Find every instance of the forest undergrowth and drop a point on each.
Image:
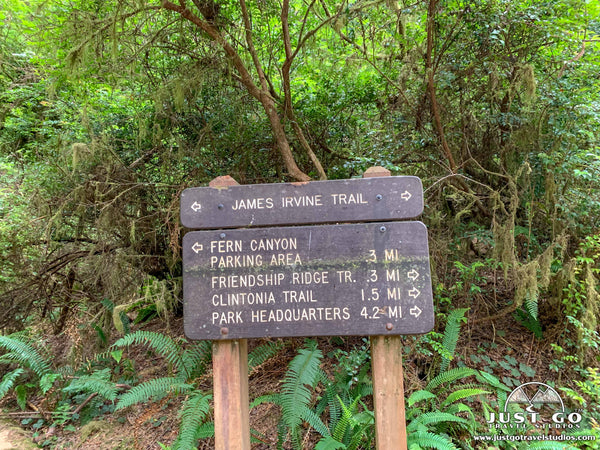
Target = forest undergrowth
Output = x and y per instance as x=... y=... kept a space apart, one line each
x=110 y=109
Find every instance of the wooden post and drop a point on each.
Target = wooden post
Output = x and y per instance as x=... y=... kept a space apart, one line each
x=230 y=382
x=388 y=378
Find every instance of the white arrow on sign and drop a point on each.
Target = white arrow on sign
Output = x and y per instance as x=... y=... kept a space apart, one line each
x=413 y=275
x=415 y=311
x=414 y=292
x=406 y=196
x=197 y=247
x=196 y=206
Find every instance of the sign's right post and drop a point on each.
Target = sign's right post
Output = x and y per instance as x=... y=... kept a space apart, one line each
x=388 y=379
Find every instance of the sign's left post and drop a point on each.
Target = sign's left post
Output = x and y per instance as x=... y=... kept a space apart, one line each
x=230 y=381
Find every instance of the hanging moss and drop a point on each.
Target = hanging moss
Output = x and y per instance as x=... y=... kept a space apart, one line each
x=590 y=316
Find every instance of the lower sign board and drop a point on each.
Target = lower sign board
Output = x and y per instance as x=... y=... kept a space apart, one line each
x=353 y=279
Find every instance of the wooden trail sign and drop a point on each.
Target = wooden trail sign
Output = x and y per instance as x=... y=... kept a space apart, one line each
x=354 y=200
x=355 y=279
x=350 y=275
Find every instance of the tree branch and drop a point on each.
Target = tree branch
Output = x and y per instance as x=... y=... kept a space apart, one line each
x=260 y=93
x=287 y=90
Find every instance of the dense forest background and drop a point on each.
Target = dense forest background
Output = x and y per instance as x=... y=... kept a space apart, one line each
x=109 y=109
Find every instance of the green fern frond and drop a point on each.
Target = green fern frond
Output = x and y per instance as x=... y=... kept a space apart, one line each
x=359 y=435
x=433 y=418
x=329 y=443
x=461 y=394
x=194 y=411
x=263 y=353
x=269 y=398
x=345 y=421
x=491 y=380
x=153 y=389
x=301 y=376
x=8 y=381
x=206 y=430
x=196 y=358
x=98 y=382
x=309 y=416
x=329 y=402
x=425 y=439
x=24 y=353
x=456 y=408
x=160 y=343
x=296 y=392
x=531 y=306
x=449 y=376
x=451 y=334
x=418 y=396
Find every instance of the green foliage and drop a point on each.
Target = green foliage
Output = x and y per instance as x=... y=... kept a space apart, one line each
x=302 y=376
x=350 y=425
x=8 y=381
x=98 y=383
x=22 y=351
x=262 y=353
x=451 y=335
x=588 y=394
x=193 y=414
x=444 y=409
x=109 y=109
x=153 y=390
x=166 y=347
x=425 y=439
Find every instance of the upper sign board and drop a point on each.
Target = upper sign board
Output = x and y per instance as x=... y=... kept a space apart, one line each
x=324 y=280
x=354 y=200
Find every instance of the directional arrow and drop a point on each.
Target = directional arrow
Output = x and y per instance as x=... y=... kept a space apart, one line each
x=406 y=196
x=414 y=292
x=415 y=311
x=196 y=206
x=197 y=247
x=413 y=275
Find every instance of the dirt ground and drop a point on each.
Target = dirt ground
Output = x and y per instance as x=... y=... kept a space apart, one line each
x=14 y=438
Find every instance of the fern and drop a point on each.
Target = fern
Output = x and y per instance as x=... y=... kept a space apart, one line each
x=196 y=358
x=463 y=393
x=342 y=426
x=425 y=439
x=193 y=413
x=157 y=388
x=161 y=344
x=434 y=418
x=313 y=420
x=450 y=376
x=205 y=430
x=330 y=400
x=8 y=381
x=99 y=383
x=263 y=353
x=451 y=334
x=302 y=374
x=366 y=421
x=418 y=396
x=352 y=426
x=24 y=353
x=269 y=398
x=329 y=443
x=531 y=305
